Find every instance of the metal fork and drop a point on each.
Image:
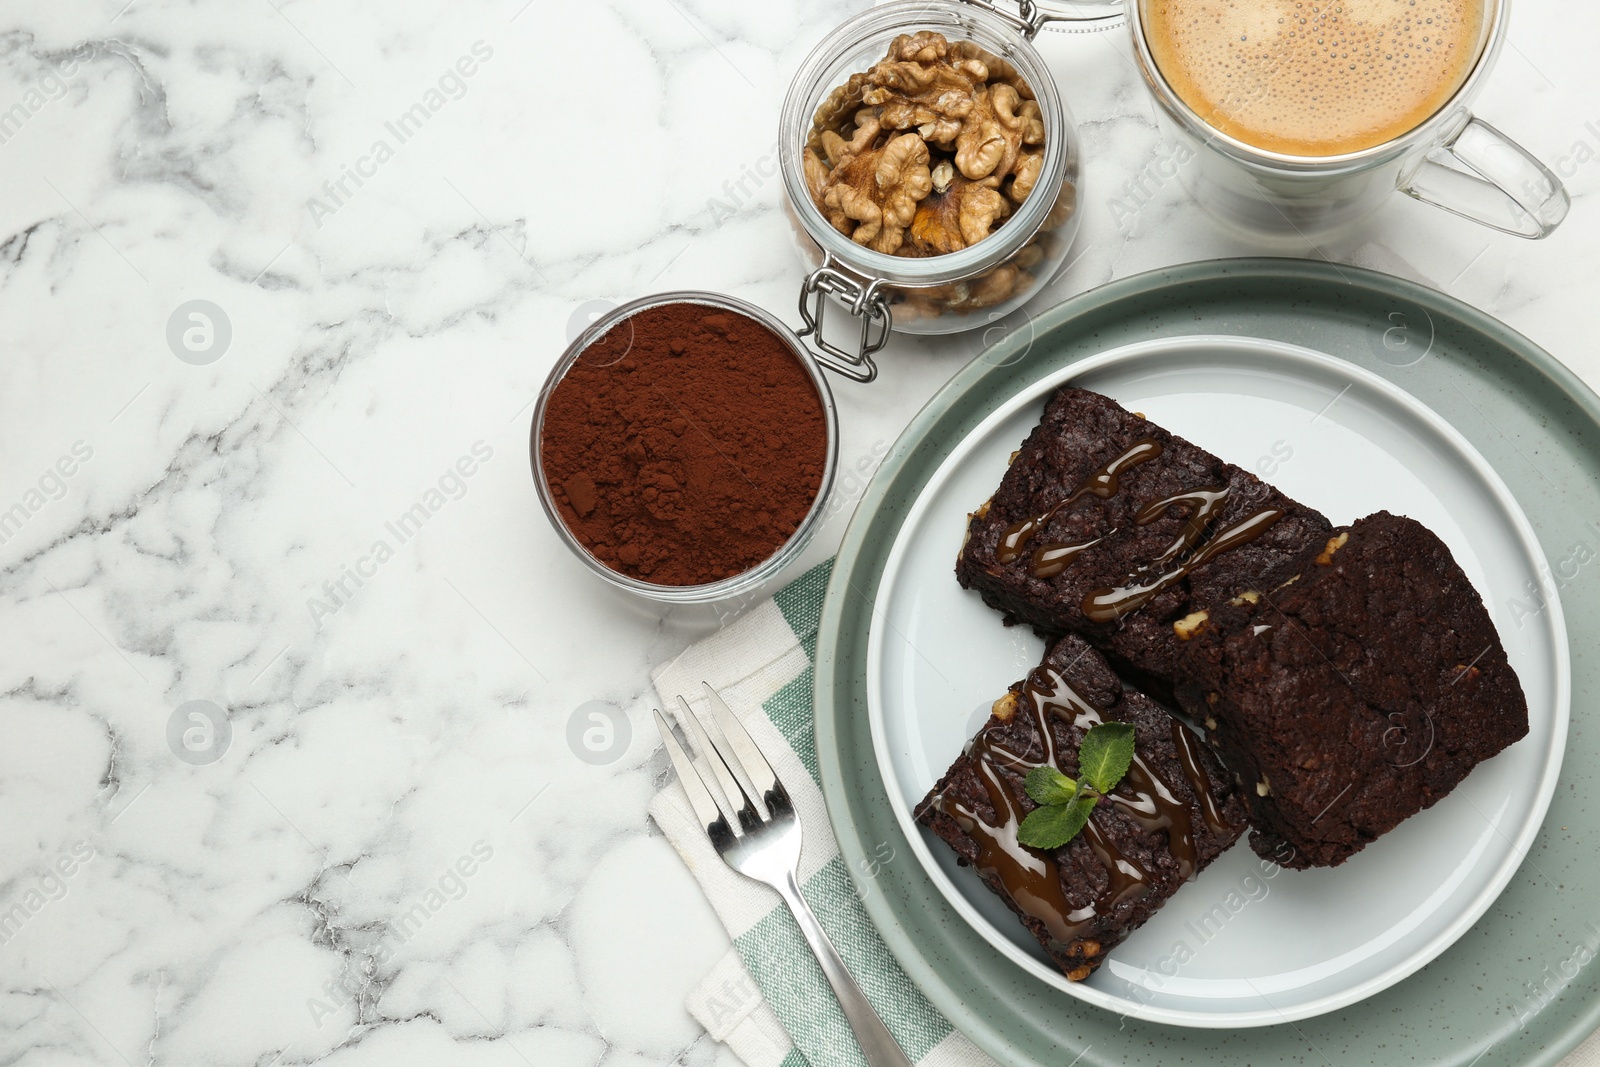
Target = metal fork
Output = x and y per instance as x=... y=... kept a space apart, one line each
x=753 y=827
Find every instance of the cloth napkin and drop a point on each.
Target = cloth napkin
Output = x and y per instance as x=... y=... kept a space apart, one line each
x=767 y=999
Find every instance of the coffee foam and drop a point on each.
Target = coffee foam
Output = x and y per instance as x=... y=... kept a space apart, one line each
x=1314 y=77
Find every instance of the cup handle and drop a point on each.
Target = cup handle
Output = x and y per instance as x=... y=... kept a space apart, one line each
x=1495 y=181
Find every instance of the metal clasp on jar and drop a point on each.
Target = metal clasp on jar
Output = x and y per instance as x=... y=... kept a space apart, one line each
x=1075 y=17
x=869 y=303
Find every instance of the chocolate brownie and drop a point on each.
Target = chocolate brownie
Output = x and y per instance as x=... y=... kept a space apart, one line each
x=1354 y=695
x=1173 y=813
x=1107 y=526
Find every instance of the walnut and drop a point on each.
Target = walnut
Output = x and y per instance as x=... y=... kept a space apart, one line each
x=835 y=111
x=1025 y=175
x=1066 y=203
x=994 y=131
x=973 y=294
x=924 y=46
x=872 y=195
x=1032 y=255
x=1325 y=557
x=1018 y=114
x=999 y=70
x=980 y=146
x=984 y=141
x=961 y=213
x=938 y=121
x=1005 y=707
x=1190 y=625
x=919 y=304
x=992 y=288
x=816 y=172
x=837 y=149
x=1249 y=596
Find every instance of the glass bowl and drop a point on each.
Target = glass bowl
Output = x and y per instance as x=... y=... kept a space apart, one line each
x=745 y=581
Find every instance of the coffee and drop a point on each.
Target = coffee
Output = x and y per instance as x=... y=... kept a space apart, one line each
x=1315 y=77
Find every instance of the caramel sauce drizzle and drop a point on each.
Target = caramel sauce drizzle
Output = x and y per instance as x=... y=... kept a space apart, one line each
x=1205 y=504
x=1104 y=484
x=1108 y=605
x=1051 y=559
x=1199 y=780
x=1032 y=878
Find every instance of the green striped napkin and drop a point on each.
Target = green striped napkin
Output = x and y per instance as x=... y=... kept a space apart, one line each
x=767 y=999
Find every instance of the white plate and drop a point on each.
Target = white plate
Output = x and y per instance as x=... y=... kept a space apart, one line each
x=1249 y=944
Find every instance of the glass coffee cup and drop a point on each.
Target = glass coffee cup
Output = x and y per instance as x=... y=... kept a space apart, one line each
x=1449 y=158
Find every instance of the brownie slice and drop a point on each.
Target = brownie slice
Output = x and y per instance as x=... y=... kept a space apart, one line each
x=1356 y=694
x=1174 y=812
x=1107 y=526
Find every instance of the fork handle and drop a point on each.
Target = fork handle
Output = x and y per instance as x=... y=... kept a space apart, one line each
x=877 y=1045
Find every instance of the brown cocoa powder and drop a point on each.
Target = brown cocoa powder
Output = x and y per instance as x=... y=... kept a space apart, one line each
x=685 y=446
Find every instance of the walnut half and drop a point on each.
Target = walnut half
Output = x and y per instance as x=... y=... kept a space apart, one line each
x=872 y=195
x=960 y=214
x=1006 y=707
x=1334 y=544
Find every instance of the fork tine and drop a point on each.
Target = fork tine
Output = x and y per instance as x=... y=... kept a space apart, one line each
x=748 y=753
x=732 y=756
x=700 y=798
x=719 y=768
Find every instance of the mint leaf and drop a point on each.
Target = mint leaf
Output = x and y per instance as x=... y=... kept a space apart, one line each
x=1104 y=755
x=1046 y=785
x=1055 y=824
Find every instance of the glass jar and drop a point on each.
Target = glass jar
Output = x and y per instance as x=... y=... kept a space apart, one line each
x=746 y=582
x=959 y=290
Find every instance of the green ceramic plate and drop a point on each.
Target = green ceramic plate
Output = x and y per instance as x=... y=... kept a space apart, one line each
x=1517 y=988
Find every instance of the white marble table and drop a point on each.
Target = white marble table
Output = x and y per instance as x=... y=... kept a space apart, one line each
x=391 y=853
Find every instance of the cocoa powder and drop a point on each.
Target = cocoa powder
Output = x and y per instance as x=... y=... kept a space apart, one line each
x=685 y=446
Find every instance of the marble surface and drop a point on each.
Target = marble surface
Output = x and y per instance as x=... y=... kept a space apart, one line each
x=285 y=781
